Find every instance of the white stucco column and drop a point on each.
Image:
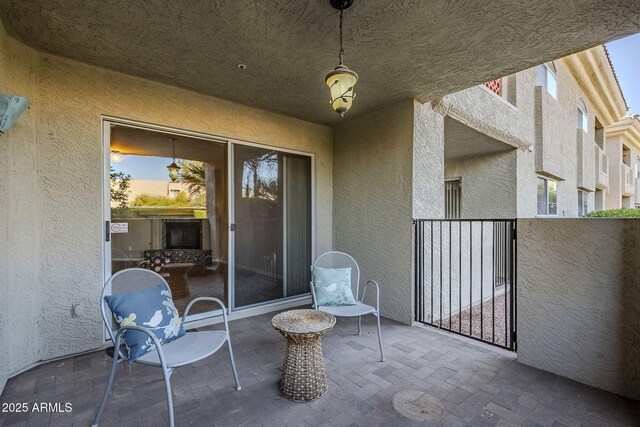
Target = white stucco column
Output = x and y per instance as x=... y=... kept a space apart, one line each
x=428 y=162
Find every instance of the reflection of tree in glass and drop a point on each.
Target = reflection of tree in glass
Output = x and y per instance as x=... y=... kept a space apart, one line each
x=192 y=173
x=120 y=183
x=260 y=177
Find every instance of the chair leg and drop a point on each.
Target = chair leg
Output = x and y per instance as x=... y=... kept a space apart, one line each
x=107 y=390
x=167 y=386
x=233 y=364
x=379 y=337
x=359 y=325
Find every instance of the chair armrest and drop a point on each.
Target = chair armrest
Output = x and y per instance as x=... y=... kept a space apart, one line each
x=364 y=292
x=146 y=331
x=210 y=299
x=313 y=295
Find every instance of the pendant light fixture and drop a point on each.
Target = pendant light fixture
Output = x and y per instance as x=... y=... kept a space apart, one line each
x=341 y=80
x=173 y=167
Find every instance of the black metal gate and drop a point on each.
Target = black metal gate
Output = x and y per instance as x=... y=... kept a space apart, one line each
x=465 y=278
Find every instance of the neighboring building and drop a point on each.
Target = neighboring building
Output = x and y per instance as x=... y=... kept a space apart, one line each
x=532 y=143
x=155 y=188
x=623 y=153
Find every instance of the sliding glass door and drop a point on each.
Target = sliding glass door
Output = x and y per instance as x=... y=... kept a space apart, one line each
x=272 y=223
x=234 y=222
x=176 y=226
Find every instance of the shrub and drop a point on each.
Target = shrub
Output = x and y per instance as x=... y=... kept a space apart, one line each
x=615 y=213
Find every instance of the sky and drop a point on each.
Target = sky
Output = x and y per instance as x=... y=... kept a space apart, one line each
x=625 y=56
x=143 y=167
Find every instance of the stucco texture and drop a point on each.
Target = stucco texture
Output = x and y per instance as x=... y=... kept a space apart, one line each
x=52 y=215
x=428 y=162
x=20 y=291
x=492 y=115
x=543 y=129
x=372 y=182
x=561 y=151
x=488 y=185
x=403 y=49
x=579 y=300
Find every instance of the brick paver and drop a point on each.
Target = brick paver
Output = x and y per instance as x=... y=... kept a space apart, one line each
x=476 y=384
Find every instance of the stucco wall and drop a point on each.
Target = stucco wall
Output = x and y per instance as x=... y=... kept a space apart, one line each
x=372 y=181
x=488 y=184
x=617 y=179
x=579 y=300
x=428 y=162
x=491 y=114
x=560 y=151
x=20 y=296
x=53 y=228
x=545 y=124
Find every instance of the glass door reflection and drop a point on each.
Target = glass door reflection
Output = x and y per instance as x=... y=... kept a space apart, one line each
x=175 y=228
x=272 y=213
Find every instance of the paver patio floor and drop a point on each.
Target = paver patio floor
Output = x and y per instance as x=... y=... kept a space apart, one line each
x=475 y=384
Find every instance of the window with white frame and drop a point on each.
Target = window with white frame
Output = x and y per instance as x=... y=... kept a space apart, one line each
x=583 y=118
x=546 y=77
x=583 y=206
x=547 y=197
x=173 y=194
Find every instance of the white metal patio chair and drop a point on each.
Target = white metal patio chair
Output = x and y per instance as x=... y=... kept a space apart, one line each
x=190 y=348
x=336 y=259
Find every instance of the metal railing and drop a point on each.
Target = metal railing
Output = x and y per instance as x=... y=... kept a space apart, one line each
x=465 y=278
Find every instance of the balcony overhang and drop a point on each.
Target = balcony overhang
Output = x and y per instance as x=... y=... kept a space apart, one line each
x=462 y=141
x=628 y=126
x=404 y=49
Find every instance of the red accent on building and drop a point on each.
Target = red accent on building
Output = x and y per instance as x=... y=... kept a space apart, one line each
x=495 y=86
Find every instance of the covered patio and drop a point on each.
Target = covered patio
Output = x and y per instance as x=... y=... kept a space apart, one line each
x=248 y=77
x=462 y=382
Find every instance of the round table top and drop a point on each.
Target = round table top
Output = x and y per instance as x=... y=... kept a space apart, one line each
x=305 y=321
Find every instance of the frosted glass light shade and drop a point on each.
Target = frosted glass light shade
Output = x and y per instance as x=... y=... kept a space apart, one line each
x=341 y=82
x=173 y=171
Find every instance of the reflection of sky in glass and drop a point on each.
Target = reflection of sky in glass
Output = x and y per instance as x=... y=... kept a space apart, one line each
x=266 y=167
x=144 y=167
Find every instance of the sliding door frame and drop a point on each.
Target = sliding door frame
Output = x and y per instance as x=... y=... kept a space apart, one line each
x=203 y=319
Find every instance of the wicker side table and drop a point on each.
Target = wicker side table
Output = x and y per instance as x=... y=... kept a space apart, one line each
x=303 y=376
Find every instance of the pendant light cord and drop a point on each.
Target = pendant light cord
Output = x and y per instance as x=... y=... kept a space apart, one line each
x=341 y=49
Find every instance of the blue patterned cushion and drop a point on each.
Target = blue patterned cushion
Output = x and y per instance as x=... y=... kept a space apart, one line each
x=151 y=308
x=332 y=286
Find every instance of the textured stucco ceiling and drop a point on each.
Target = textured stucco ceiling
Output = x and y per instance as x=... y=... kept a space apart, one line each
x=401 y=49
x=129 y=140
x=461 y=141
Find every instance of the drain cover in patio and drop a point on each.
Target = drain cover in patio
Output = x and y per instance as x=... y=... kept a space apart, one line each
x=419 y=406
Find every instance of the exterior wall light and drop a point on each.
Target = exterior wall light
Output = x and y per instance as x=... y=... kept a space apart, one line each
x=173 y=167
x=11 y=106
x=341 y=81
